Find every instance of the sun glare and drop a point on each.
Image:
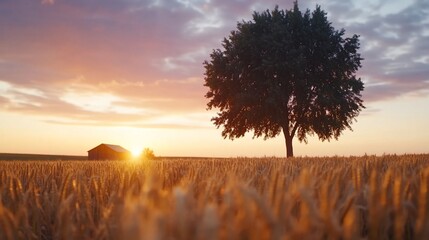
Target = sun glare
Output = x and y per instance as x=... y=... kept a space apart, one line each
x=136 y=152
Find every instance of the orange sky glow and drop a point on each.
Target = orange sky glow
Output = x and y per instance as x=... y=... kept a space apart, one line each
x=74 y=74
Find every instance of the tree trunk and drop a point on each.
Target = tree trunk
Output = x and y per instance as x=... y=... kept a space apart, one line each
x=288 y=142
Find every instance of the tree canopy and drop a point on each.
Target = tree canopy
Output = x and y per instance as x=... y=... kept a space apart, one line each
x=285 y=71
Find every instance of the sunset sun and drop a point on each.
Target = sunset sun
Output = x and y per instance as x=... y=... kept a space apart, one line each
x=136 y=152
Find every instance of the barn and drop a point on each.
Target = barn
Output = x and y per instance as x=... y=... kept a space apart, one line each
x=108 y=152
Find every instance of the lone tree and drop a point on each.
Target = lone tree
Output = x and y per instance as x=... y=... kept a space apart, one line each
x=285 y=70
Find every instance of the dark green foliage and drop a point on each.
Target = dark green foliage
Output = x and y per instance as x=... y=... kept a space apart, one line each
x=285 y=70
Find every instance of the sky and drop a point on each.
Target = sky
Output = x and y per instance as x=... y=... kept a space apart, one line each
x=77 y=73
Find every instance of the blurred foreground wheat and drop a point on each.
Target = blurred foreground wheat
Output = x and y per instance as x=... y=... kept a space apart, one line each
x=302 y=198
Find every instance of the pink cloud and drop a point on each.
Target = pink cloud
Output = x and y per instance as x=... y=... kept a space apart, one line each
x=48 y=1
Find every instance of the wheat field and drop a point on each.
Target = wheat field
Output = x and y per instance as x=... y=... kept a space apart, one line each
x=384 y=197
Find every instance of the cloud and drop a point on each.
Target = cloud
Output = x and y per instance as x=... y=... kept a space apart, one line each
x=143 y=59
x=48 y=1
x=394 y=43
x=79 y=104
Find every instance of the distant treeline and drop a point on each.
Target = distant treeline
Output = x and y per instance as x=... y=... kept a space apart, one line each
x=38 y=157
x=47 y=157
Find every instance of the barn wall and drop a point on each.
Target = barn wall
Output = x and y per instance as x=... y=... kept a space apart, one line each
x=105 y=153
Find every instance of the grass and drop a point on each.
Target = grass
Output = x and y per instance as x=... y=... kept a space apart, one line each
x=301 y=198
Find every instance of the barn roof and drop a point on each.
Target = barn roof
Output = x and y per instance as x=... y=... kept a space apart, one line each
x=115 y=148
